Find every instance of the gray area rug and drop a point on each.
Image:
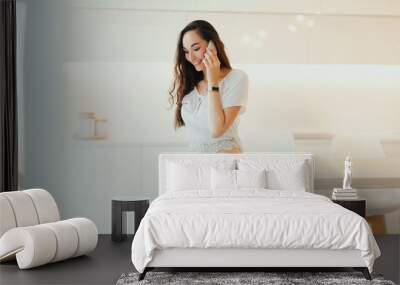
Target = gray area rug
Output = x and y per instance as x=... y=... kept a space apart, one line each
x=225 y=278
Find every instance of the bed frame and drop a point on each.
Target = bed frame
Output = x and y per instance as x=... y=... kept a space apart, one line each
x=248 y=259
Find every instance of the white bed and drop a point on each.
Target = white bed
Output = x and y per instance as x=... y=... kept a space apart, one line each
x=249 y=227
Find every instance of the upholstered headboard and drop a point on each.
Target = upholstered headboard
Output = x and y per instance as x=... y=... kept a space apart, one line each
x=165 y=158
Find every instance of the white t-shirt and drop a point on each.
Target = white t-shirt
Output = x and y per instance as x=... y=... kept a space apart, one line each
x=233 y=90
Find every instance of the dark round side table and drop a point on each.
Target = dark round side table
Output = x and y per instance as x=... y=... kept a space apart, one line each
x=122 y=204
x=358 y=206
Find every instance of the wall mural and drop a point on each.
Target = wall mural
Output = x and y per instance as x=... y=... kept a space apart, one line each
x=325 y=83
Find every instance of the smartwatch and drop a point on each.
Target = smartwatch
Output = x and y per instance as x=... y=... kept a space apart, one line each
x=213 y=88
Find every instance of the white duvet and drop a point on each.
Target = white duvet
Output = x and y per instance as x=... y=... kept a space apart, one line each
x=251 y=218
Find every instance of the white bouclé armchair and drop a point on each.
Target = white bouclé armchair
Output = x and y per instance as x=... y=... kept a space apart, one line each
x=32 y=233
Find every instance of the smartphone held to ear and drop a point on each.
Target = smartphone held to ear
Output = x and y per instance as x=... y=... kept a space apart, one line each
x=211 y=45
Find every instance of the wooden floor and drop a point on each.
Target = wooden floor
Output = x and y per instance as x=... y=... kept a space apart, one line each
x=111 y=259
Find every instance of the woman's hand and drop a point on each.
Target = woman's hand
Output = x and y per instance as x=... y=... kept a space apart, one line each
x=212 y=64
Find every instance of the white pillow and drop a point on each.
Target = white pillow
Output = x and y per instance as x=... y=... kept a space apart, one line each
x=282 y=174
x=184 y=174
x=237 y=179
x=223 y=179
x=294 y=179
x=183 y=177
x=251 y=178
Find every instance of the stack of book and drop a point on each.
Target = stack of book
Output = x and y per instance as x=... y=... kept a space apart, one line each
x=344 y=194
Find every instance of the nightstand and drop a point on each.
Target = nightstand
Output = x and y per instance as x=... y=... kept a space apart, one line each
x=358 y=206
x=122 y=204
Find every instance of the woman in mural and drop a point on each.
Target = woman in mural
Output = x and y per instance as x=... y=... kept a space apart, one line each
x=210 y=95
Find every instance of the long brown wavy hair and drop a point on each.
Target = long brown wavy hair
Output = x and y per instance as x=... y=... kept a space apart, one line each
x=186 y=76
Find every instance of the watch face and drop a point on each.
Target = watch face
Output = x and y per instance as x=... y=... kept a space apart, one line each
x=213 y=88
